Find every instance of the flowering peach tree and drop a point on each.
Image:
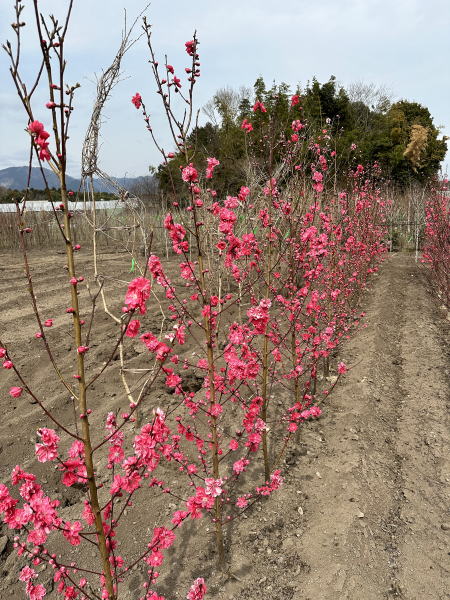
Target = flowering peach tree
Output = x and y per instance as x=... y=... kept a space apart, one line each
x=259 y=290
x=436 y=250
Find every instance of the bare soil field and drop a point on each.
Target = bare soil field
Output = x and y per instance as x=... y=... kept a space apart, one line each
x=363 y=513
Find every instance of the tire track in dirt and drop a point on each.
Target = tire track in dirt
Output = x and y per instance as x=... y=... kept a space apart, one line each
x=375 y=527
x=424 y=564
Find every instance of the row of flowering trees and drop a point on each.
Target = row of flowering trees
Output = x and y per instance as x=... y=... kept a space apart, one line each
x=260 y=289
x=436 y=251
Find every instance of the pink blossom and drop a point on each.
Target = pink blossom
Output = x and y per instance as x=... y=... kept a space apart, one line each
x=259 y=315
x=276 y=480
x=244 y=367
x=155 y=559
x=36 y=592
x=227 y=220
x=76 y=449
x=15 y=392
x=276 y=354
x=36 y=127
x=295 y=99
x=233 y=445
x=48 y=323
x=242 y=502
x=342 y=368
x=187 y=271
x=212 y=164
x=237 y=333
x=7 y=364
x=180 y=333
x=254 y=440
x=150 y=595
x=246 y=126
x=173 y=380
x=88 y=514
x=70 y=593
x=198 y=590
x=137 y=294
x=2 y=352
x=190 y=47
x=115 y=454
x=200 y=501
x=259 y=106
x=154 y=345
x=231 y=202
x=314 y=412
x=137 y=100
x=162 y=538
x=41 y=139
x=18 y=475
x=133 y=328
x=82 y=349
x=27 y=574
x=48 y=448
x=240 y=465
x=179 y=516
x=71 y=532
x=44 y=154
x=317 y=177
x=297 y=125
x=243 y=193
x=216 y=410
x=189 y=173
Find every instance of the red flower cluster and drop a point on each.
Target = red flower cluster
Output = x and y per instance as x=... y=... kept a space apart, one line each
x=40 y=139
x=246 y=126
x=177 y=232
x=137 y=100
x=137 y=294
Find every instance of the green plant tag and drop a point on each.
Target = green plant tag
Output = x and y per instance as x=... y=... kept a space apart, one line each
x=133 y=264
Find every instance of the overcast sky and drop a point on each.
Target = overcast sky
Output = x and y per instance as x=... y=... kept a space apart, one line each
x=403 y=45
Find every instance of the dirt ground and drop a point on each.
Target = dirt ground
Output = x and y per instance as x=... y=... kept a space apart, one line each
x=363 y=513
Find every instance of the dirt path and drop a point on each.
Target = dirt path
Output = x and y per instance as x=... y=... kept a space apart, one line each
x=363 y=513
x=375 y=526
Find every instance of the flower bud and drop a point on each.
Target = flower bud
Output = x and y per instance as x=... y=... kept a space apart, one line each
x=15 y=392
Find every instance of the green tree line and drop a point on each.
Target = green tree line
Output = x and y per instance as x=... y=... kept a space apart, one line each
x=401 y=136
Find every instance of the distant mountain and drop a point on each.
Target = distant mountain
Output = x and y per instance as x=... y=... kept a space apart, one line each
x=15 y=178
